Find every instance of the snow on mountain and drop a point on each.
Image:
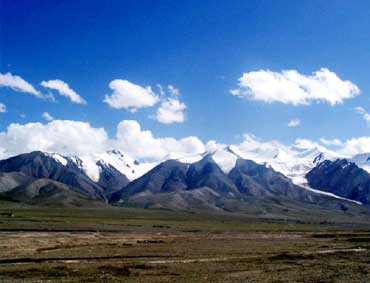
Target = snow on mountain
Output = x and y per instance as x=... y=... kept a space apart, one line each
x=362 y=160
x=292 y=161
x=295 y=162
x=225 y=159
x=331 y=195
x=61 y=159
x=189 y=158
x=93 y=164
x=128 y=166
x=88 y=165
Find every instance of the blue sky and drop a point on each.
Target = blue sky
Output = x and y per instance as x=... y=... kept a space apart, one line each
x=200 y=47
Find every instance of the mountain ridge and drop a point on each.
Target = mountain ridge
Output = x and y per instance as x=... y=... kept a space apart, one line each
x=210 y=179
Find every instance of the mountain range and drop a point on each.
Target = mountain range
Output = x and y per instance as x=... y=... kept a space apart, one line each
x=225 y=179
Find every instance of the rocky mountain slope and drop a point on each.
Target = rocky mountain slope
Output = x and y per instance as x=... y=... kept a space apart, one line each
x=209 y=180
x=342 y=178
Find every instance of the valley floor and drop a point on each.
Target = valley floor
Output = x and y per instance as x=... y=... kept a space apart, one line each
x=129 y=245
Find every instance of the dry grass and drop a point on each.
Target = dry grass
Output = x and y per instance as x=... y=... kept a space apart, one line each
x=177 y=248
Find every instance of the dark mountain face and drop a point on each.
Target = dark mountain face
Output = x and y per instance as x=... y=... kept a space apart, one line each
x=176 y=185
x=166 y=177
x=206 y=183
x=175 y=177
x=206 y=173
x=342 y=178
x=110 y=179
x=39 y=165
x=49 y=192
x=260 y=181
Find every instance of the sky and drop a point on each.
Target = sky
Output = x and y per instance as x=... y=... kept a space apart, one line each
x=208 y=70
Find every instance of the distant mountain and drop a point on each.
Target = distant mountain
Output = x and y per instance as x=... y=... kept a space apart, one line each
x=111 y=179
x=207 y=173
x=165 y=177
x=262 y=181
x=38 y=164
x=76 y=171
x=361 y=160
x=123 y=163
x=217 y=179
x=294 y=162
x=342 y=178
x=173 y=184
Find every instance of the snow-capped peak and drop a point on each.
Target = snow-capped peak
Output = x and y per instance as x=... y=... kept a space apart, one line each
x=93 y=164
x=225 y=159
x=57 y=157
x=223 y=156
x=128 y=166
x=362 y=160
x=292 y=161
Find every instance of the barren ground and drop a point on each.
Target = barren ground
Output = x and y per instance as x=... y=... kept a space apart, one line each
x=120 y=245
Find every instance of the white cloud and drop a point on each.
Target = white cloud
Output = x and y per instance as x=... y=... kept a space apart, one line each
x=365 y=115
x=62 y=136
x=2 y=108
x=305 y=143
x=17 y=83
x=127 y=95
x=171 y=111
x=63 y=89
x=256 y=149
x=80 y=138
x=47 y=116
x=142 y=144
x=294 y=123
x=173 y=90
x=336 y=142
x=350 y=146
x=291 y=87
x=356 y=146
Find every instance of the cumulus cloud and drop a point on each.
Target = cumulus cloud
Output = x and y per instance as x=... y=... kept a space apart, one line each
x=256 y=149
x=356 y=145
x=127 y=95
x=305 y=143
x=336 y=142
x=171 y=111
x=345 y=148
x=291 y=87
x=130 y=96
x=365 y=115
x=142 y=144
x=47 y=116
x=294 y=123
x=62 y=136
x=64 y=89
x=18 y=84
x=80 y=138
x=2 y=108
